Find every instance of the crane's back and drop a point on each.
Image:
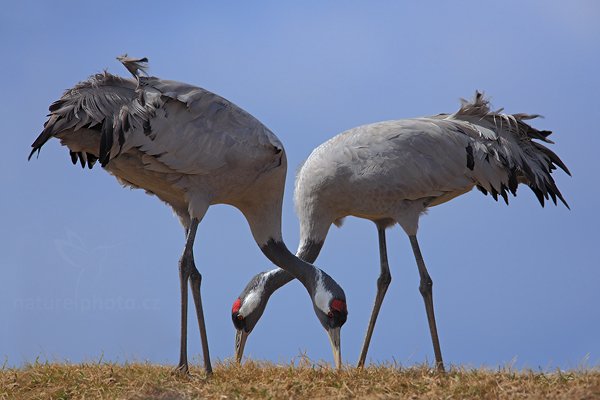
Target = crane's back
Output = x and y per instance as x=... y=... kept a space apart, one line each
x=370 y=170
x=388 y=169
x=178 y=141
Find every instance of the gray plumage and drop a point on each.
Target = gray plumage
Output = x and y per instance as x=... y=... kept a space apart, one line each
x=192 y=149
x=396 y=169
x=391 y=172
x=135 y=66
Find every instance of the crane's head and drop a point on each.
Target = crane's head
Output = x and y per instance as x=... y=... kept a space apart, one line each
x=248 y=308
x=329 y=303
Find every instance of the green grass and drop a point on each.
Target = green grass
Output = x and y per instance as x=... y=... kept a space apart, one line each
x=305 y=380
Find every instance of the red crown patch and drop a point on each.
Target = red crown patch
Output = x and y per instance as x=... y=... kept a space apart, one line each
x=236 y=306
x=338 y=305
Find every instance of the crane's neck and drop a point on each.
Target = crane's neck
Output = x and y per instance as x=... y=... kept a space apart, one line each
x=264 y=218
x=309 y=249
x=314 y=225
x=294 y=267
x=312 y=236
x=276 y=278
x=265 y=224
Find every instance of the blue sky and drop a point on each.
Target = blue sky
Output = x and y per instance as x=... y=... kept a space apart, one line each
x=89 y=268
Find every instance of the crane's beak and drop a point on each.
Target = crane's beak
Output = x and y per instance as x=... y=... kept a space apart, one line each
x=334 y=339
x=240 y=341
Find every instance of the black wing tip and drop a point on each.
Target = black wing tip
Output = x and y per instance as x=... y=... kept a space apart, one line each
x=91 y=160
x=562 y=199
x=554 y=194
x=565 y=169
x=482 y=190
x=557 y=195
x=33 y=152
x=504 y=193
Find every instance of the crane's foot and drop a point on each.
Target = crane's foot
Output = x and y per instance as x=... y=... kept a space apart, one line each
x=181 y=370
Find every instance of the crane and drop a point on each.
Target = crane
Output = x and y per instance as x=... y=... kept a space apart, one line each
x=391 y=172
x=190 y=148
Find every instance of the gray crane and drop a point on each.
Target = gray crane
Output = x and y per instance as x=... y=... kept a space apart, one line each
x=191 y=148
x=392 y=172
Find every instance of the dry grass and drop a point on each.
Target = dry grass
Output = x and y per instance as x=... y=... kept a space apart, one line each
x=305 y=380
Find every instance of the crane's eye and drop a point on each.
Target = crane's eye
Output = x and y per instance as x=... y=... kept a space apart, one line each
x=330 y=314
x=240 y=317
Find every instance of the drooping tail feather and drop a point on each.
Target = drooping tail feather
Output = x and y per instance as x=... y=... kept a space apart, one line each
x=134 y=65
x=510 y=141
x=105 y=105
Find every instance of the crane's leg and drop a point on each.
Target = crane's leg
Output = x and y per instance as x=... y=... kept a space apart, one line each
x=188 y=272
x=185 y=262
x=195 y=281
x=425 y=287
x=382 y=285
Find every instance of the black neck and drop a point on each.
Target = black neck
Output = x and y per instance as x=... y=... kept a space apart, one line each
x=309 y=251
x=292 y=266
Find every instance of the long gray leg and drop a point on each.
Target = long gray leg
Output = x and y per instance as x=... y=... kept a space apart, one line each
x=382 y=285
x=195 y=281
x=187 y=270
x=425 y=287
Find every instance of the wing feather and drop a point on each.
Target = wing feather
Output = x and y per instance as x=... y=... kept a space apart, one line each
x=515 y=156
x=188 y=129
x=434 y=158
